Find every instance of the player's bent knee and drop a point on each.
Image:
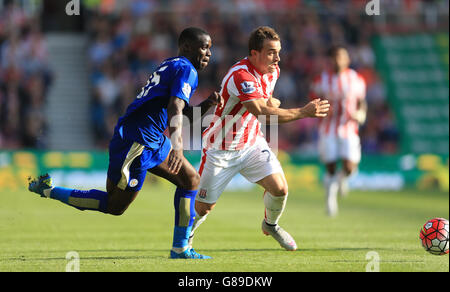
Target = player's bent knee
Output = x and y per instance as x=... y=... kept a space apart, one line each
x=191 y=182
x=280 y=191
x=116 y=209
x=119 y=201
x=349 y=167
x=116 y=212
x=203 y=209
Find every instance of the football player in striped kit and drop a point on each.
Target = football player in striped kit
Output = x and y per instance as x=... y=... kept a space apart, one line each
x=338 y=132
x=233 y=143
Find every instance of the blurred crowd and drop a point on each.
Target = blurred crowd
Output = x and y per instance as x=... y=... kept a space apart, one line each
x=24 y=79
x=129 y=38
x=128 y=45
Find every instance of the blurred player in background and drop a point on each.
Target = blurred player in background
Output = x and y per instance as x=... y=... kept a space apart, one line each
x=139 y=145
x=234 y=143
x=338 y=132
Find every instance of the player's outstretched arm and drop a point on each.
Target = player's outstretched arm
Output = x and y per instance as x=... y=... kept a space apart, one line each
x=316 y=108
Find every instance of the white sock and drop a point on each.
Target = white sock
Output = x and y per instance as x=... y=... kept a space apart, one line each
x=197 y=221
x=332 y=187
x=274 y=207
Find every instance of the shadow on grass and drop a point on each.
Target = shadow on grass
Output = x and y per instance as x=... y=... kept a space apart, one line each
x=344 y=249
x=155 y=253
x=298 y=250
x=83 y=255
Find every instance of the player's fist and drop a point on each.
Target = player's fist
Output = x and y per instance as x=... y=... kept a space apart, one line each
x=216 y=99
x=274 y=102
x=317 y=108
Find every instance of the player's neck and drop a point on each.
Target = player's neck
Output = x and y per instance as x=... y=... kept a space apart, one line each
x=186 y=56
x=253 y=63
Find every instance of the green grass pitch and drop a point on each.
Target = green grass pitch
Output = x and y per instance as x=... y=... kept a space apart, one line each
x=36 y=233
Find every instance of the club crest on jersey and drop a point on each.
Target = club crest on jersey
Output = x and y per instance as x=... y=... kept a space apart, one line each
x=202 y=193
x=134 y=182
x=248 y=87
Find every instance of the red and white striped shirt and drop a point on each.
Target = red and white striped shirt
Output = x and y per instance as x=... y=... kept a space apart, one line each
x=233 y=127
x=343 y=92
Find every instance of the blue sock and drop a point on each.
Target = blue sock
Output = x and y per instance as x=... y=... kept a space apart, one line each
x=184 y=203
x=82 y=200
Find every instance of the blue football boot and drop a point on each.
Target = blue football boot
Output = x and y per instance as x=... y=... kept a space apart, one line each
x=188 y=254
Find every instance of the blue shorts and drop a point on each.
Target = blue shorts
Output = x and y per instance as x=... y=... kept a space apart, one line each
x=129 y=161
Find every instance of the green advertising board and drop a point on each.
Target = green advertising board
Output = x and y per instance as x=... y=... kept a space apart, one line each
x=415 y=71
x=87 y=170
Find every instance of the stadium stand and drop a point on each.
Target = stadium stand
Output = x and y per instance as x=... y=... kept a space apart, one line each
x=25 y=78
x=129 y=38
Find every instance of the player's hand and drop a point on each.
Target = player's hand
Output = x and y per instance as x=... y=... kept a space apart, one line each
x=317 y=108
x=359 y=116
x=175 y=160
x=216 y=99
x=274 y=102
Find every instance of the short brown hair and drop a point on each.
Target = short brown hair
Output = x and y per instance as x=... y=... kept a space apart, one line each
x=259 y=35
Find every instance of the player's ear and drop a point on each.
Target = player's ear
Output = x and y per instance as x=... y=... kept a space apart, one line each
x=186 y=47
x=253 y=53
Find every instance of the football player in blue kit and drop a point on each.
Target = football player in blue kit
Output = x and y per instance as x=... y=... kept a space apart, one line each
x=139 y=145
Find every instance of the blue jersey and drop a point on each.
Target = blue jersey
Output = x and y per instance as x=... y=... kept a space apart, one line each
x=146 y=117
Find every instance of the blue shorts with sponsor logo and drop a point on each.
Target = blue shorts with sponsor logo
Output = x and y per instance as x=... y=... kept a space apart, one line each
x=129 y=161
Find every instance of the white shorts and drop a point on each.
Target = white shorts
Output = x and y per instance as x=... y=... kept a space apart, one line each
x=220 y=166
x=332 y=148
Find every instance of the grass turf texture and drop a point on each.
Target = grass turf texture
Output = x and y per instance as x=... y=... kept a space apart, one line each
x=37 y=233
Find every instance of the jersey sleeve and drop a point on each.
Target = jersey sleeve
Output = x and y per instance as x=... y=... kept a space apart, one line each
x=184 y=83
x=245 y=86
